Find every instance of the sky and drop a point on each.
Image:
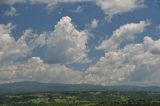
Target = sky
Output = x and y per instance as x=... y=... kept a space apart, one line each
x=100 y=42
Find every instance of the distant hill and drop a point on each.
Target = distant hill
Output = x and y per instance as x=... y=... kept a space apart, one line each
x=24 y=87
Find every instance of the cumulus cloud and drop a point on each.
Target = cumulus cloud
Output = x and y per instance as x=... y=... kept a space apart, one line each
x=146 y=59
x=12 y=12
x=133 y=64
x=136 y=63
x=65 y=44
x=123 y=63
x=125 y=34
x=94 y=24
x=10 y=49
x=36 y=70
x=112 y=7
x=109 y=70
x=61 y=46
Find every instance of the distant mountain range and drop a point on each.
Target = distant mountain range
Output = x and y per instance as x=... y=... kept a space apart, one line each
x=26 y=87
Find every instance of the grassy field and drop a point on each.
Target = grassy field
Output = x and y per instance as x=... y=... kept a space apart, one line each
x=92 y=98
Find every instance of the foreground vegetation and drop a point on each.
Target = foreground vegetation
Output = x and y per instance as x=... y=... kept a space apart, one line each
x=91 y=98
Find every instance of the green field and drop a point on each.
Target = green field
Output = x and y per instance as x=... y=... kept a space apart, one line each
x=88 y=98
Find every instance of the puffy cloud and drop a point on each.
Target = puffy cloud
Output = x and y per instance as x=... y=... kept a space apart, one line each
x=12 y=12
x=36 y=70
x=125 y=34
x=146 y=59
x=134 y=64
x=112 y=7
x=109 y=70
x=65 y=44
x=94 y=24
x=10 y=49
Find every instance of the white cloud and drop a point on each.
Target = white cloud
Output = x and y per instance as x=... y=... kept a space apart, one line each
x=12 y=12
x=10 y=49
x=125 y=34
x=36 y=70
x=65 y=44
x=79 y=9
x=94 y=24
x=109 y=70
x=135 y=64
x=112 y=7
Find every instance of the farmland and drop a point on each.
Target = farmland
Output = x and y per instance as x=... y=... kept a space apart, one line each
x=81 y=98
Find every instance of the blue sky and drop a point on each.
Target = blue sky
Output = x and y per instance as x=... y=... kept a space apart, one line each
x=104 y=42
